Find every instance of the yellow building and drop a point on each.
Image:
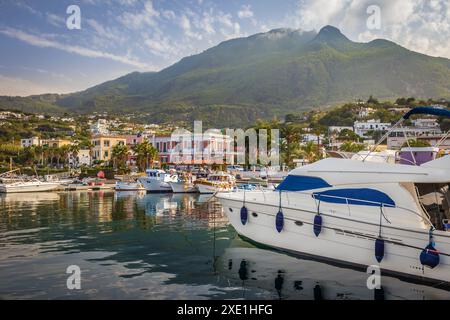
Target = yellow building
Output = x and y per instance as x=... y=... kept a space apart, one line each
x=55 y=143
x=102 y=146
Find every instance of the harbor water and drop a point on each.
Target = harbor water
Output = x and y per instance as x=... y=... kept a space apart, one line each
x=131 y=245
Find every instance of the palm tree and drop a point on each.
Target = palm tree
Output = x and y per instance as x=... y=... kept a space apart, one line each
x=65 y=153
x=350 y=146
x=291 y=135
x=146 y=155
x=119 y=155
x=39 y=150
x=74 y=150
x=309 y=152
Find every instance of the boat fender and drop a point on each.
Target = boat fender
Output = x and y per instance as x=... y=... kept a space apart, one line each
x=317 y=224
x=279 y=218
x=379 y=249
x=244 y=215
x=279 y=221
x=429 y=256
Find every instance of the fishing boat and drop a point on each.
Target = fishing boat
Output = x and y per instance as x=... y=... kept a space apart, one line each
x=158 y=180
x=184 y=185
x=216 y=182
x=129 y=186
x=354 y=212
x=28 y=186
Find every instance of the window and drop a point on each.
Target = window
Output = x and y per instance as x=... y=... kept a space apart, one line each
x=106 y=143
x=106 y=154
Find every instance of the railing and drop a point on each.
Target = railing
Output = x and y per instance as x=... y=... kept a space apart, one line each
x=347 y=200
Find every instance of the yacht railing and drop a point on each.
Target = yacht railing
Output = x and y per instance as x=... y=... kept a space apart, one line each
x=347 y=200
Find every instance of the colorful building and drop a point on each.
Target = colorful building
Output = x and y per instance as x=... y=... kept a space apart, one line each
x=103 y=145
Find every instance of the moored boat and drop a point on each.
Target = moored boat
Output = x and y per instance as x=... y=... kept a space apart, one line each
x=355 y=212
x=129 y=186
x=158 y=180
x=28 y=186
x=216 y=182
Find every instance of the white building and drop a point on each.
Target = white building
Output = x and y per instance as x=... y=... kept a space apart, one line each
x=83 y=158
x=361 y=128
x=397 y=137
x=309 y=137
x=425 y=123
x=28 y=142
x=100 y=127
x=338 y=129
x=365 y=112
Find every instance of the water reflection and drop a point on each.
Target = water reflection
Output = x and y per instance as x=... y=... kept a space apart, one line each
x=157 y=246
x=288 y=277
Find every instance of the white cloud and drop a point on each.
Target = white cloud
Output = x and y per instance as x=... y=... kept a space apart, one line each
x=419 y=25
x=46 y=43
x=55 y=20
x=185 y=24
x=245 y=12
x=137 y=20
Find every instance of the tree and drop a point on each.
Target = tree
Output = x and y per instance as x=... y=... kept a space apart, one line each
x=290 y=143
x=348 y=135
x=350 y=146
x=416 y=143
x=444 y=123
x=309 y=152
x=74 y=150
x=119 y=155
x=372 y=100
x=146 y=155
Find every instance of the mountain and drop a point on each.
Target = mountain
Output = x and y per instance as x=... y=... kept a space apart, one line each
x=274 y=73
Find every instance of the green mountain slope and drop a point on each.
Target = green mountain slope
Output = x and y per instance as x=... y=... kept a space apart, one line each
x=268 y=74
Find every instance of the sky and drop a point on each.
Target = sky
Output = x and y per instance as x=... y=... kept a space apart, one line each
x=39 y=53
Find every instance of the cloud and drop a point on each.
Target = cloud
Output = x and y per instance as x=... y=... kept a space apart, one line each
x=185 y=24
x=419 y=25
x=245 y=12
x=55 y=20
x=46 y=43
x=147 y=17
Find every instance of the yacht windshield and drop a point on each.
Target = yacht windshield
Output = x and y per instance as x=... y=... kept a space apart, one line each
x=435 y=199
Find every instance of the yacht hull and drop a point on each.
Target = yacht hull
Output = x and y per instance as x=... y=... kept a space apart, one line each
x=130 y=186
x=154 y=185
x=24 y=188
x=209 y=189
x=182 y=187
x=343 y=239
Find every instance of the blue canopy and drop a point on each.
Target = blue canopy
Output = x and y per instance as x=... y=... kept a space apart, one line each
x=428 y=110
x=362 y=197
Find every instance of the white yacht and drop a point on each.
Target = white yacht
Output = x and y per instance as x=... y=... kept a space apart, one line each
x=158 y=180
x=28 y=186
x=356 y=212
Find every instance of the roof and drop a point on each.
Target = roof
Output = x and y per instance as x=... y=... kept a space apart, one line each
x=337 y=171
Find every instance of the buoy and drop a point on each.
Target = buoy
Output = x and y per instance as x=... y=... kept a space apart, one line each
x=279 y=221
x=429 y=256
x=244 y=215
x=379 y=249
x=317 y=224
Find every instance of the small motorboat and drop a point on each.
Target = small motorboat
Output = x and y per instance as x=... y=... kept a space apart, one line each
x=216 y=182
x=129 y=186
x=28 y=186
x=184 y=185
